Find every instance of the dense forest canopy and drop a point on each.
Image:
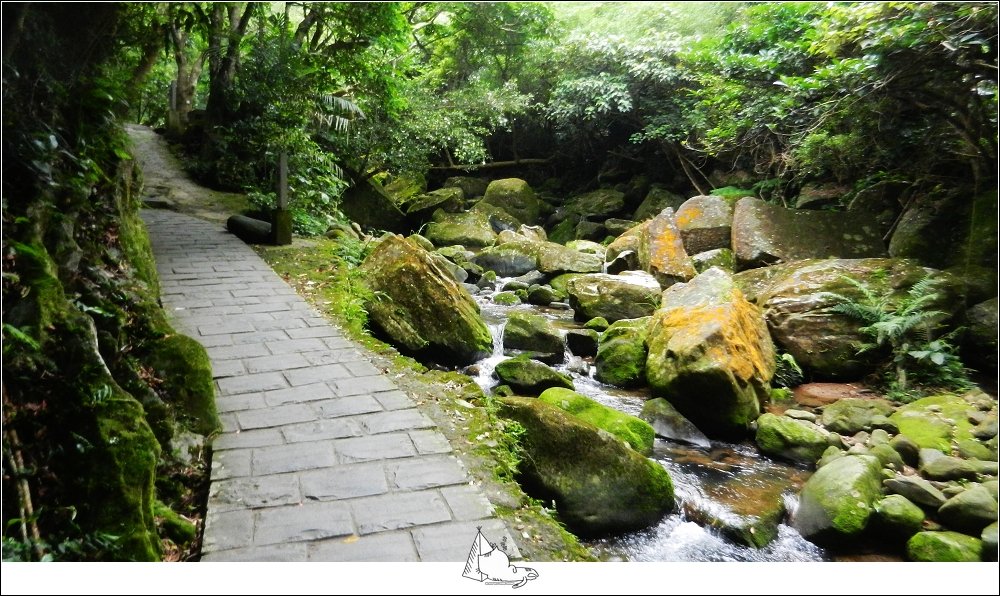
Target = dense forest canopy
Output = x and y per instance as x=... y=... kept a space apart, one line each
x=783 y=94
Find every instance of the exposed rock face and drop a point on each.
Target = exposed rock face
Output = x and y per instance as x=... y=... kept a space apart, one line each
x=710 y=354
x=705 y=223
x=621 y=354
x=661 y=251
x=836 y=502
x=421 y=308
x=797 y=302
x=516 y=197
x=765 y=234
x=600 y=485
x=630 y=295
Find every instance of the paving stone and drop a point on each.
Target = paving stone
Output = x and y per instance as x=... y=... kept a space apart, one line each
x=233 y=327
x=347 y=406
x=248 y=438
x=297 y=345
x=363 y=385
x=424 y=473
x=227 y=368
x=386 y=546
x=429 y=442
x=466 y=503
x=279 y=459
x=244 y=401
x=227 y=529
x=295 y=523
x=253 y=493
x=300 y=394
x=272 y=553
x=274 y=416
x=361 y=369
x=231 y=463
x=337 y=342
x=384 y=422
x=322 y=331
x=320 y=430
x=451 y=542
x=394 y=400
x=258 y=337
x=272 y=363
x=361 y=449
x=251 y=383
x=400 y=510
x=337 y=356
x=236 y=352
x=344 y=482
x=317 y=374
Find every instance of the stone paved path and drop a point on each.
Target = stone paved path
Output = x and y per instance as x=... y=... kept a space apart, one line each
x=322 y=458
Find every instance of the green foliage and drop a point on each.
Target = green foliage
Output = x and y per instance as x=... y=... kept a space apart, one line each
x=787 y=372
x=507 y=434
x=905 y=326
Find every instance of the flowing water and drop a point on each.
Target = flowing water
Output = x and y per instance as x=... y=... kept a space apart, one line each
x=724 y=481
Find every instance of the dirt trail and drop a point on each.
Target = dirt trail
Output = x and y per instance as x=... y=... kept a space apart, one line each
x=168 y=186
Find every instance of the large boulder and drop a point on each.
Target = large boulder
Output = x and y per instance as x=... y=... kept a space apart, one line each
x=934 y=547
x=449 y=200
x=705 y=223
x=970 y=511
x=470 y=229
x=597 y=205
x=661 y=251
x=794 y=440
x=655 y=202
x=403 y=188
x=979 y=346
x=629 y=295
x=798 y=304
x=516 y=197
x=636 y=433
x=853 y=415
x=530 y=377
x=710 y=354
x=509 y=259
x=627 y=244
x=471 y=187
x=670 y=424
x=420 y=306
x=532 y=333
x=621 y=354
x=368 y=204
x=915 y=489
x=836 y=501
x=765 y=234
x=599 y=484
x=898 y=516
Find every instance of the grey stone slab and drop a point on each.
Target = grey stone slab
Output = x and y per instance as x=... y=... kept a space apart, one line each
x=227 y=368
x=248 y=438
x=290 y=346
x=280 y=459
x=232 y=327
x=254 y=493
x=338 y=356
x=361 y=369
x=383 y=547
x=258 y=337
x=272 y=363
x=396 y=511
x=452 y=541
x=243 y=401
x=269 y=324
x=347 y=406
x=429 y=442
x=394 y=400
x=344 y=482
x=251 y=383
x=362 y=385
x=321 y=430
x=236 y=352
x=466 y=503
x=300 y=394
x=426 y=472
x=275 y=416
x=273 y=553
x=316 y=374
x=253 y=292
x=232 y=463
x=229 y=423
x=384 y=422
x=337 y=342
x=269 y=307
x=228 y=529
x=322 y=331
x=210 y=341
x=361 y=449
x=296 y=523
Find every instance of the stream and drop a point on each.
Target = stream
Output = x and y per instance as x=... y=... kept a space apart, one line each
x=721 y=481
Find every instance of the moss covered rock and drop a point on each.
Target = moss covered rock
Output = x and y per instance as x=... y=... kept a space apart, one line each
x=850 y=415
x=934 y=422
x=656 y=200
x=836 y=501
x=621 y=354
x=720 y=257
x=519 y=256
x=931 y=547
x=420 y=307
x=534 y=333
x=670 y=424
x=898 y=516
x=979 y=345
x=182 y=365
x=600 y=485
x=530 y=377
x=970 y=511
x=450 y=200
x=471 y=229
x=582 y=342
x=710 y=354
x=705 y=223
x=786 y=438
x=635 y=432
x=765 y=234
x=989 y=538
x=916 y=489
x=597 y=205
x=405 y=187
x=516 y=197
x=630 y=295
x=471 y=187
x=661 y=251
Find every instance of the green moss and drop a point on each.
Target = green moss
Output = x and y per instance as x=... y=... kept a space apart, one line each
x=132 y=235
x=637 y=433
x=621 y=354
x=597 y=324
x=836 y=502
x=506 y=299
x=786 y=438
x=934 y=422
x=944 y=547
x=732 y=193
x=182 y=365
x=559 y=283
x=899 y=516
x=564 y=231
x=178 y=529
x=530 y=377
